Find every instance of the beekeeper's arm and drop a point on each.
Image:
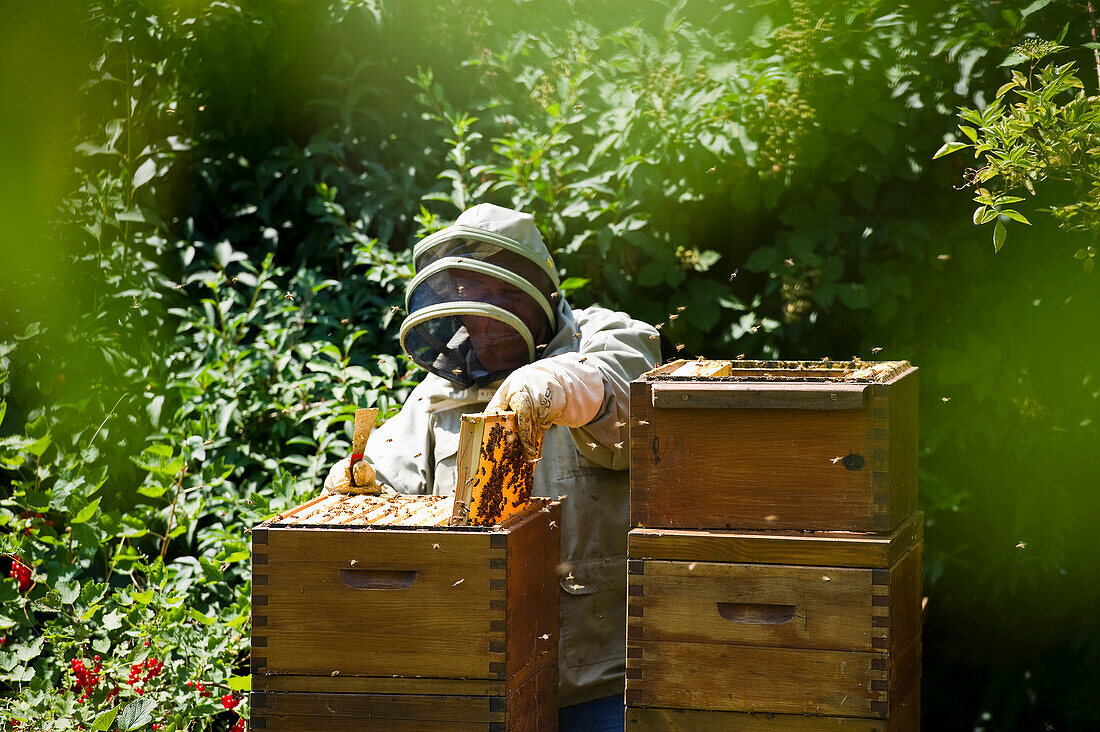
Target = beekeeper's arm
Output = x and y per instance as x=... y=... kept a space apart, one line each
x=400 y=451
x=588 y=390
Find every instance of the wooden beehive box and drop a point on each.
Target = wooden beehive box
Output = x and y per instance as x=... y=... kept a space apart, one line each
x=369 y=612
x=726 y=628
x=774 y=445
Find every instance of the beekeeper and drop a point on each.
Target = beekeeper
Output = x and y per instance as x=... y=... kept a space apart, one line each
x=487 y=320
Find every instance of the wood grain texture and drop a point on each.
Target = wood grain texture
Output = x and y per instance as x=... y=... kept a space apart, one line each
x=705 y=369
x=837 y=549
x=643 y=719
x=753 y=679
x=773 y=469
x=703 y=602
x=446 y=603
x=532 y=590
x=769 y=638
x=530 y=708
x=438 y=626
x=758 y=395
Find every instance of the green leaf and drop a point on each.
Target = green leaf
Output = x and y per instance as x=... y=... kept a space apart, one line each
x=1035 y=7
x=1015 y=215
x=239 y=683
x=145 y=172
x=136 y=714
x=1089 y=264
x=969 y=132
x=571 y=284
x=3 y=410
x=1001 y=92
x=203 y=617
x=104 y=721
x=998 y=236
x=90 y=509
x=39 y=446
x=948 y=148
x=68 y=591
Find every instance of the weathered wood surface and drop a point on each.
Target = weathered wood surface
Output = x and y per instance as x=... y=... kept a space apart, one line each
x=655 y=719
x=837 y=549
x=752 y=604
x=704 y=368
x=390 y=602
x=755 y=679
x=773 y=638
x=758 y=395
x=532 y=589
x=530 y=708
x=766 y=469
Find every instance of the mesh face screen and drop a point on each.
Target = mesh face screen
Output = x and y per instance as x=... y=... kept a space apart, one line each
x=461 y=285
x=486 y=252
x=467 y=349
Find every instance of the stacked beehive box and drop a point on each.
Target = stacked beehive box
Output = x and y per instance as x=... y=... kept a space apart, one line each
x=775 y=568
x=370 y=613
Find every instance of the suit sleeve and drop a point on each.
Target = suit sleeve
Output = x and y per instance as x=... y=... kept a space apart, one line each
x=622 y=349
x=400 y=451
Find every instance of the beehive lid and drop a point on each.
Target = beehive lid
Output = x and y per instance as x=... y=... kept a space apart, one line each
x=824 y=371
x=828 y=385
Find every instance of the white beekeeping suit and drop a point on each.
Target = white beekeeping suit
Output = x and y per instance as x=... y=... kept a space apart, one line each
x=485 y=306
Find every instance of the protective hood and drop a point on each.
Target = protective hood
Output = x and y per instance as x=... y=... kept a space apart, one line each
x=484 y=298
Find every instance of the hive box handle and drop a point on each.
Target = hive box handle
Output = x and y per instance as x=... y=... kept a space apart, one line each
x=378 y=579
x=756 y=614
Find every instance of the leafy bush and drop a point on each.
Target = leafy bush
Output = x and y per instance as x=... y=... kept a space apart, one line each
x=247 y=181
x=1050 y=137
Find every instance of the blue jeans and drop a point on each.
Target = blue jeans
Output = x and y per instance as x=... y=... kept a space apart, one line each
x=598 y=715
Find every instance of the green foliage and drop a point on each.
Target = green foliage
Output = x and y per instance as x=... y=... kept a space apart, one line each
x=247 y=181
x=1042 y=131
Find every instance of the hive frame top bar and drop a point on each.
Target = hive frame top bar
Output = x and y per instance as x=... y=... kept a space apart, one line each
x=281 y=521
x=823 y=371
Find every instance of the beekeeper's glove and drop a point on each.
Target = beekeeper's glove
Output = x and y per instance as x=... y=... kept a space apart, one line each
x=565 y=390
x=339 y=478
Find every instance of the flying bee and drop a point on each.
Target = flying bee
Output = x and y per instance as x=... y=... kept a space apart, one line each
x=733 y=275
x=680 y=308
x=673 y=316
x=876 y=349
x=679 y=346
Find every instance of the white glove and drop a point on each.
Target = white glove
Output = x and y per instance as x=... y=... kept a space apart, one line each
x=339 y=478
x=563 y=390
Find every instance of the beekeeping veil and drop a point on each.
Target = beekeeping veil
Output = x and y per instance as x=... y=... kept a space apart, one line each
x=482 y=302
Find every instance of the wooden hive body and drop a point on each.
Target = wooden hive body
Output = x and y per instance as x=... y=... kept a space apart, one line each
x=774 y=446
x=755 y=630
x=404 y=627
